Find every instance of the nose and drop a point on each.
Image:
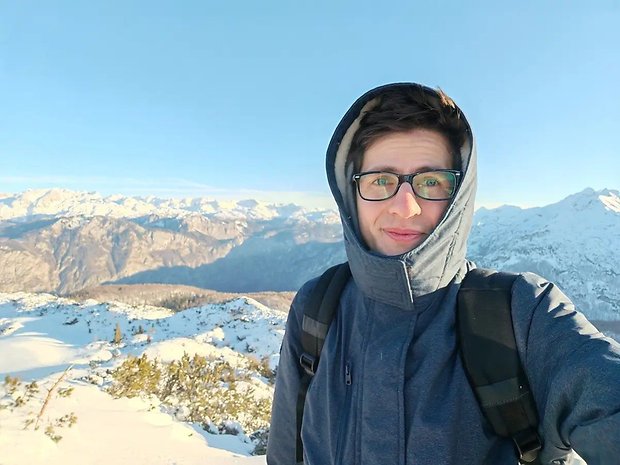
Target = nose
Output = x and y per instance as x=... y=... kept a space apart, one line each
x=404 y=203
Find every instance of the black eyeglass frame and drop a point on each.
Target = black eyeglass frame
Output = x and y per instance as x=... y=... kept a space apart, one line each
x=407 y=178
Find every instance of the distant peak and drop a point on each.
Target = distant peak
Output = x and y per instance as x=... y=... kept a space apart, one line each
x=64 y=202
x=588 y=191
x=588 y=196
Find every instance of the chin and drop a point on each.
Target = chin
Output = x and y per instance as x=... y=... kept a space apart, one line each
x=392 y=251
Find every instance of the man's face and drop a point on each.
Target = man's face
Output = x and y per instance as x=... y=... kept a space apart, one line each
x=398 y=224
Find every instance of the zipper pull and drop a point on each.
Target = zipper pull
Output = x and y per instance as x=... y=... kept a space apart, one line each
x=347 y=374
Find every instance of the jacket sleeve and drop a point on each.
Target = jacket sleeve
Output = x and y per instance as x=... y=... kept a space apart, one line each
x=574 y=373
x=281 y=445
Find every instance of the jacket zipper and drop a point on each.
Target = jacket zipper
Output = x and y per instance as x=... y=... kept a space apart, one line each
x=344 y=417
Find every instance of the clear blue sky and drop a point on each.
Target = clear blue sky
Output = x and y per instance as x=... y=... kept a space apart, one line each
x=198 y=98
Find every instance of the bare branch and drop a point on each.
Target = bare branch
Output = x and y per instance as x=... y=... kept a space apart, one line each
x=49 y=396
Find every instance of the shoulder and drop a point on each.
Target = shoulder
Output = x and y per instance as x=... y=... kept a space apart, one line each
x=303 y=295
x=536 y=300
x=530 y=288
x=321 y=296
x=536 y=295
x=300 y=301
x=332 y=282
x=545 y=319
x=306 y=289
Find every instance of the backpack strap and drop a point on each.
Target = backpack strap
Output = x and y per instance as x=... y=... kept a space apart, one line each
x=491 y=359
x=318 y=315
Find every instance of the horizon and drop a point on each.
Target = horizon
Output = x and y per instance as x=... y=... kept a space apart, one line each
x=201 y=99
x=303 y=200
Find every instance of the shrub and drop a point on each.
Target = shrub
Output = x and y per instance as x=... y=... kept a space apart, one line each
x=178 y=302
x=262 y=368
x=118 y=336
x=201 y=390
x=136 y=375
x=19 y=395
x=259 y=438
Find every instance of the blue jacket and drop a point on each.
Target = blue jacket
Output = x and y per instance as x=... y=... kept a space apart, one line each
x=391 y=387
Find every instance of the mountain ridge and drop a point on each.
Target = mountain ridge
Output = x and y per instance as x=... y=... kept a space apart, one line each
x=254 y=246
x=46 y=203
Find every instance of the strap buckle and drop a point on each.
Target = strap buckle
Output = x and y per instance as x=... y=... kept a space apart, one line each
x=309 y=363
x=528 y=445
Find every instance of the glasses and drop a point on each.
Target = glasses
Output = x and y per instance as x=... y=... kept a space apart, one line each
x=428 y=185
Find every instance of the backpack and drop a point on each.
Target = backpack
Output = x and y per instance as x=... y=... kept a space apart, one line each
x=492 y=365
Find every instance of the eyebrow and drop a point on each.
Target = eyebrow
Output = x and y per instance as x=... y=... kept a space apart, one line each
x=393 y=169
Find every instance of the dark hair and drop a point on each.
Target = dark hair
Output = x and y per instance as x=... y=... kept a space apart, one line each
x=402 y=109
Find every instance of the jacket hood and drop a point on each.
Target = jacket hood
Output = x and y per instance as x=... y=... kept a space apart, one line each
x=401 y=280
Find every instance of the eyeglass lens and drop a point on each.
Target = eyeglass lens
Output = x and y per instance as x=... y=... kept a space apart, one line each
x=431 y=185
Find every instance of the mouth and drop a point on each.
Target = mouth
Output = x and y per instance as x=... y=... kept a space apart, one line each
x=404 y=235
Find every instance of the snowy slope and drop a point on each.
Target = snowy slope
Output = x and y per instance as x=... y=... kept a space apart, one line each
x=41 y=335
x=574 y=243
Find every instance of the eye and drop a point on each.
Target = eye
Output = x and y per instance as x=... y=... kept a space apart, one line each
x=430 y=182
x=383 y=180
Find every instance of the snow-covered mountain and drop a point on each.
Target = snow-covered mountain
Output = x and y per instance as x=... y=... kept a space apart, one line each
x=54 y=203
x=63 y=241
x=574 y=243
x=41 y=336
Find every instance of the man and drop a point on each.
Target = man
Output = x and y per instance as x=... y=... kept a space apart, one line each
x=390 y=387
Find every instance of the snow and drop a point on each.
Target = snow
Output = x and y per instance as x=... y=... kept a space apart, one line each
x=42 y=335
x=31 y=351
x=572 y=243
x=611 y=201
x=66 y=203
x=116 y=431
